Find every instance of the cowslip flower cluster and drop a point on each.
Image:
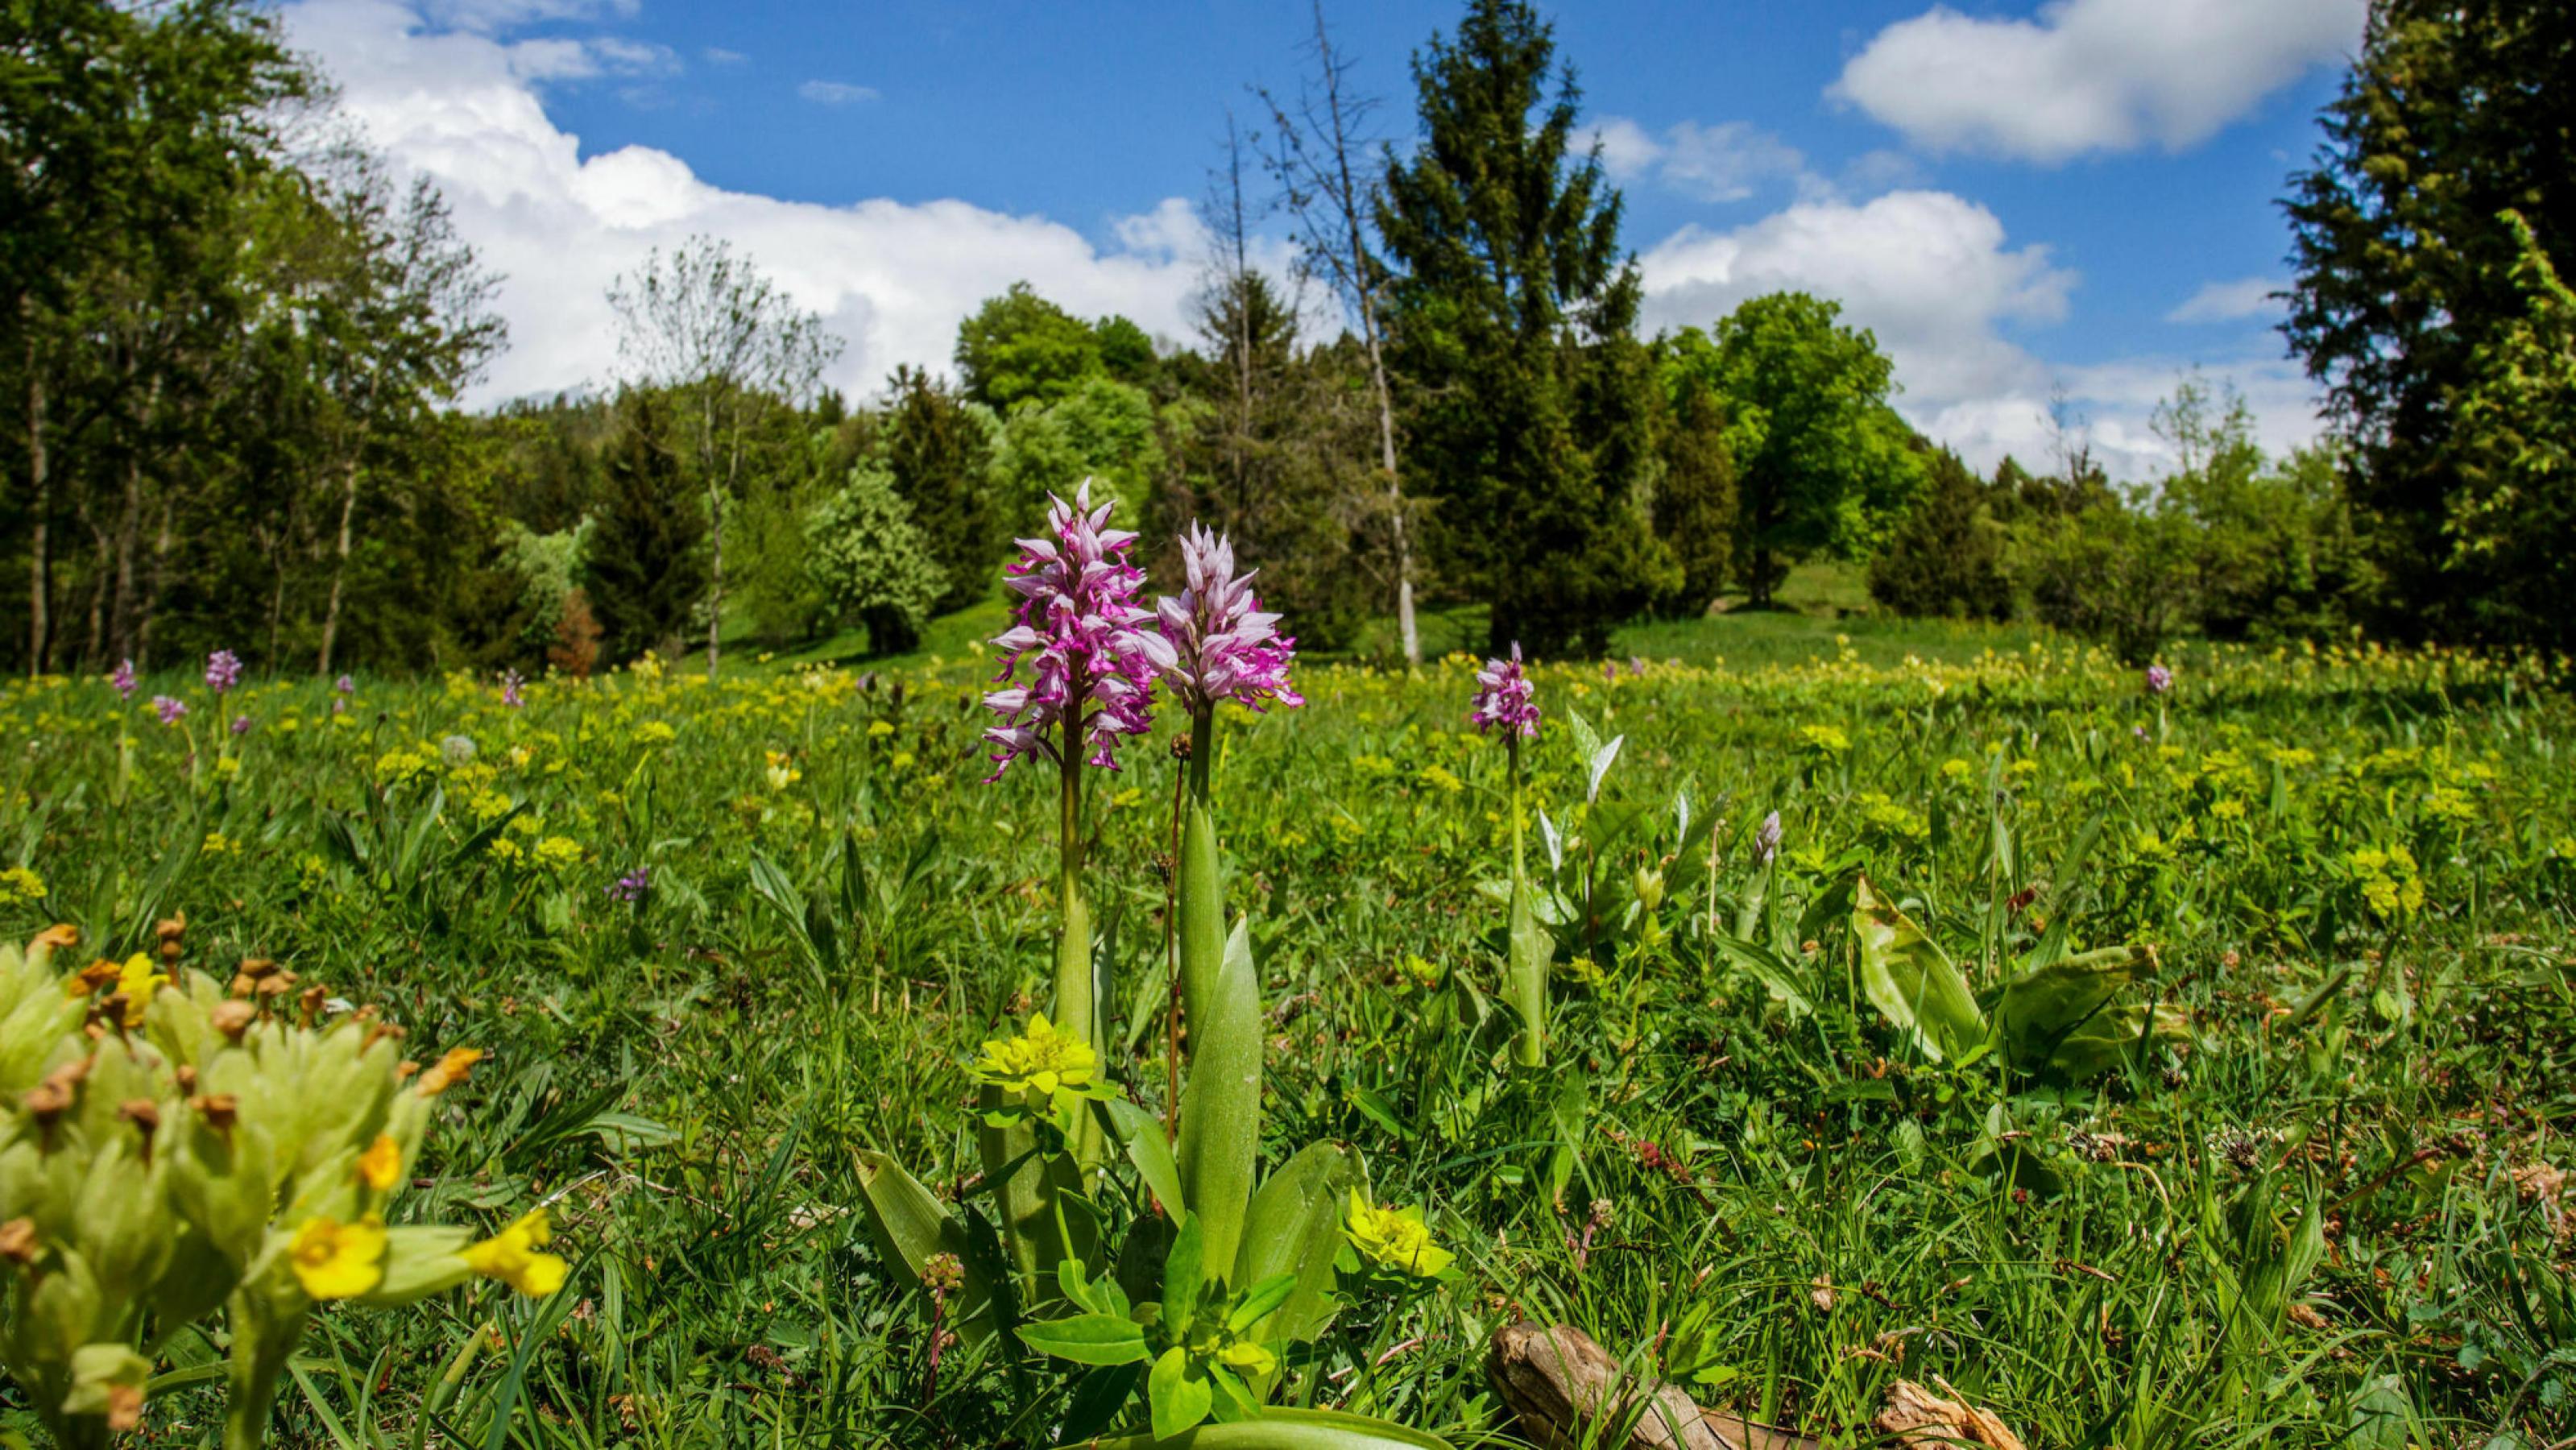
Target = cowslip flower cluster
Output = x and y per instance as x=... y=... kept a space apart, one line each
x=1215 y=641
x=170 y=1143
x=1074 y=646
x=1505 y=697
x=223 y=671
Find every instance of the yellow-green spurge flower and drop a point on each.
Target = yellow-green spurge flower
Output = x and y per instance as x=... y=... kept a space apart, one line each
x=170 y=1144
x=1394 y=1238
x=1041 y=1072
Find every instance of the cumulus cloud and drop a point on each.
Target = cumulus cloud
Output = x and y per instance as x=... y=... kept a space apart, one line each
x=1933 y=275
x=464 y=107
x=836 y=93
x=2090 y=75
x=1723 y=162
x=2229 y=301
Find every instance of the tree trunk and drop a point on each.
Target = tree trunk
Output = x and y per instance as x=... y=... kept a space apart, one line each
x=161 y=540
x=1394 y=490
x=93 y=649
x=339 y=563
x=129 y=533
x=715 y=575
x=39 y=558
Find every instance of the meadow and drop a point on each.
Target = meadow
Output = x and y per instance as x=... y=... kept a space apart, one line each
x=718 y=940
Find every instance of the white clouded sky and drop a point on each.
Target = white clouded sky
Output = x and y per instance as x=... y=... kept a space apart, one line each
x=1936 y=275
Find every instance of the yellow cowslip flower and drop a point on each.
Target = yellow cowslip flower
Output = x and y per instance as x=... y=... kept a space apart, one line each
x=1396 y=1238
x=1039 y=1063
x=334 y=1260
x=511 y=1256
x=380 y=1167
x=137 y=980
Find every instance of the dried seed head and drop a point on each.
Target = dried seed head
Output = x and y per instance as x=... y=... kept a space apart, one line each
x=220 y=1110
x=232 y=1019
x=56 y=937
x=186 y=1077
x=256 y=967
x=451 y=1070
x=18 y=1241
x=145 y=1115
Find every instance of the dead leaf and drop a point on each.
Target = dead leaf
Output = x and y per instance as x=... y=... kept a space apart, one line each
x=1920 y=1417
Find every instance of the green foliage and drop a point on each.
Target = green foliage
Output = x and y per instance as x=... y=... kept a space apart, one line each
x=2407 y=278
x=939 y=451
x=2516 y=422
x=870 y=563
x=1512 y=313
x=1020 y=348
x=1100 y=429
x=1695 y=501
x=645 y=571
x=1947 y=557
x=1823 y=466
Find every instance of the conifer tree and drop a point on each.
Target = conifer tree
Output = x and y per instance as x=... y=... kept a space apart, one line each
x=1513 y=316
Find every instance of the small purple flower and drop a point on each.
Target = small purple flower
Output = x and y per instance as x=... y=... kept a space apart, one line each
x=241 y=724
x=1504 y=696
x=1215 y=643
x=631 y=887
x=510 y=696
x=1637 y=666
x=223 y=671
x=1075 y=631
x=2139 y=731
x=171 y=708
x=345 y=685
x=1609 y=673
x=1766 y=840
x=2159 y=679
x=123 y=680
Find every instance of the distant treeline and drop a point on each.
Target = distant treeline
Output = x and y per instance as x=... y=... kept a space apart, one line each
x=233 y=347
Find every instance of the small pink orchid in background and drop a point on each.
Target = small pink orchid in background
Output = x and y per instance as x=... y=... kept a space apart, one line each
x=123 y=680
x=223 y=670
x=1505 y=697
x=510 y=696
x=1074 y=647
x=171 y=709
x=1215 y=642
x=241 y=724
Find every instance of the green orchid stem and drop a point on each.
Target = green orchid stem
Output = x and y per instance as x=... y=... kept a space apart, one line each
x=1076 y=1008
x=1200 y=903
x=1527 y=949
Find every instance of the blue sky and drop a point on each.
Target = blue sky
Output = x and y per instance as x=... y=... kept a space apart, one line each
x=2024 y=200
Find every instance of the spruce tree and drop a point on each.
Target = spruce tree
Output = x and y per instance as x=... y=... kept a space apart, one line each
x=939 y=451
x=646 y=570
x=2457 y=112
x=1513 y=317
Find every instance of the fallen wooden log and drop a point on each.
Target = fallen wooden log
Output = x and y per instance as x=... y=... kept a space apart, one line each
x=1570 y=1394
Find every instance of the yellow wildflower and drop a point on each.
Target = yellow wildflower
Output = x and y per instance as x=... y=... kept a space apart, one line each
x=137 y=980
x=1396 y=1238
x=1039 y=1063
x=511 y=1256
x=380 y=1167
x=334 y=1260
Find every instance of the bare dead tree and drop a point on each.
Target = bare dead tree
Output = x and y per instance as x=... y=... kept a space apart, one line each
x=707 y=322
x=1312 y=153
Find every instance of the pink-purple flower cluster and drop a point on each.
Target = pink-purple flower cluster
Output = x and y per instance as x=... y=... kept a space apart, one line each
x=1504 y=697
x=1766 y=840
x=223 y=670
x=1075 y=648
x=2159 y=679
x=1215 y=642
x=123 y=680
x=170 y=710
x=510 y=685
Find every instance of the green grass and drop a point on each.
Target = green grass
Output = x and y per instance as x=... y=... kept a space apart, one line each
x=2103 y=1263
